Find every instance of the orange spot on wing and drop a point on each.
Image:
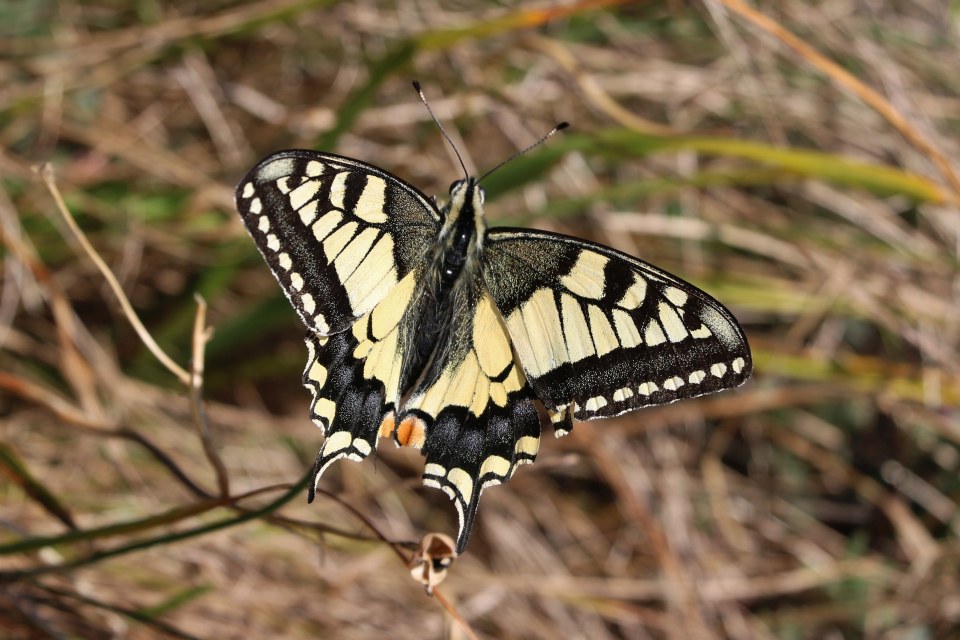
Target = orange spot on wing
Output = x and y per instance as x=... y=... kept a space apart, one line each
x=387 y=425
x=412 y=432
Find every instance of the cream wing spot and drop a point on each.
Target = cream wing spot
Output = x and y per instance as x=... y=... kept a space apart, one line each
x=697 y=376
x=284 y=261
x=314 y=168
x=355 y=252
x=701 y=333
x=263 y=224
x=375 y=276
x=463 y=483
x=595 y=403
x=633 y=297
x=296 y=281
x=738 y=365
x=326 y=224
x=647 y=388
x=604 y=338
x=653 y=334
x=256 y=206
x=671 y=322
x=719 y=369
x=676 y=296
x=622 y=394
x=304 y=193
x=541 y=316
x=337 y=240
x=338 y=188
x=337 y=442
x=308 y=213
x=273 y=243
x=496 y=465
x=672 y=384
x=586 y=278
x=308 y=304
x=575 y=329
x=495 y=355
x=283 y=184
x=248 y=190
x=626 y=329
x=371 y=207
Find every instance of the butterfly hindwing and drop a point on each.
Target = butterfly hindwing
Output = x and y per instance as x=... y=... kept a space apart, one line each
x=473 y=412
x=354 y=377
x=599 y=332
x=338 y=234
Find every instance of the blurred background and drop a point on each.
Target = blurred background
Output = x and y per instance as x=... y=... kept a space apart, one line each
x=797 y=160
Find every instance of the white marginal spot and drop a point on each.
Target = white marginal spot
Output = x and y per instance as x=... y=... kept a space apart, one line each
x=434 y=469
x=697 y=376
x=647 y=388
x=256 y=206
x=337 y=442
x=309 y=306
x=314 y=168
x=304 y=193
x=595 y=403
x=285 y=261
x=248 y=190
x=296 y=281
x=497 y=465
x=653 y=334
x=676 y=296
x=738 y=365
x=362 y=446
x=702 y=332
x=325 y=408
x=263 y=224
x=321 y=325
x=463 y=483
x=671 y=322
x=719 y=369
x=622 y=394
x=272 y=243
x=673 y=383
x=527 y=445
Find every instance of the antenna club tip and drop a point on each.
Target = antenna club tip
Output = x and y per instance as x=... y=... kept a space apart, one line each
x=416 y=85
x=561 y=126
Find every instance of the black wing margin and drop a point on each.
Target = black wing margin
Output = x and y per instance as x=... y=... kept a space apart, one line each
x=599 y=332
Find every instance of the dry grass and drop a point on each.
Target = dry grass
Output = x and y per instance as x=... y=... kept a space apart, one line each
x=798 y=161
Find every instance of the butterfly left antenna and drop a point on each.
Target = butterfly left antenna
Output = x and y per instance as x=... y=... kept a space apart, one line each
x=423 y=98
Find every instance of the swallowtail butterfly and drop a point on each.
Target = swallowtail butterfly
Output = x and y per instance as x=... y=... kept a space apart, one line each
x=428 y=327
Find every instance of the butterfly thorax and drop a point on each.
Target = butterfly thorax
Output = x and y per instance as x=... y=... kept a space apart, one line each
x=451 y=270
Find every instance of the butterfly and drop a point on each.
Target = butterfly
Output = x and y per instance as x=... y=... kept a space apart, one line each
x=428 y=327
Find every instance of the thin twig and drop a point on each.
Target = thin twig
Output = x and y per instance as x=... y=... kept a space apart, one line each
x=46 y=174
x=201 y=335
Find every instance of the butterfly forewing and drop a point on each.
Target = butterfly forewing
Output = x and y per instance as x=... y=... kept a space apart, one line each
x=599 y=332
x=338 y=234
